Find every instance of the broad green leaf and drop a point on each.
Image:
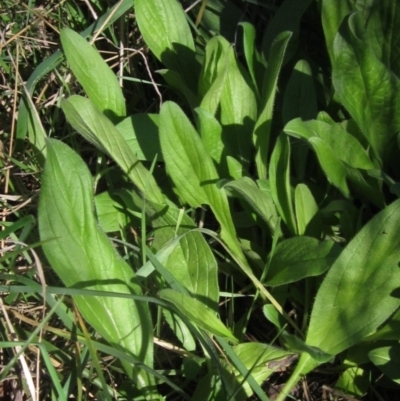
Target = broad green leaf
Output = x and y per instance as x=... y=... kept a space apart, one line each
x=211 y=134
x=340 y=154
x=287 y=18
x=214 y=64
x=333 y=14
x=387 y=359
x=180 y=329
x=368 y=187
x=140 y=132
x=344 y=145
x=192 y=169
x=262 y=360
x=354 y=381
x=83 y=257
x=166 y=31
x=388 y=331
x=96 y=77
x=194 y=266
x=190 y=261
x=366 y=87
x=99 y=130
x=197 y=313
x=109 y=214
x=305 y=206
x=238 y=110
x=300 y=98
x=368 y=263
x=262 y=129
x=335 y=171
x=258 y=200
x=185 y=155
x=300 y=257
x=279 y=173
x=382 y=21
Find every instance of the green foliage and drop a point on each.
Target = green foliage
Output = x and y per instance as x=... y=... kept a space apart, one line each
x=269 y=174
x=83 y=257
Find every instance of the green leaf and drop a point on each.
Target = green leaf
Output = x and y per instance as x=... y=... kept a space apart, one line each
x=296 y=344
x=180 y=329
x=191 y=168
x=382 y=21
x=287 y=18
x=257 y=199
x=214 y=66
x=83 y=257
x=387 y=359
x=98 y=80
x=174 y=80
x=333 y=14
x=196 y=312
x=262 y=129
x=354 y=381
x=238 y=110
x=262 y=360
x=300 y=98
x=279 y=173
x=335 y=172
x=194 y=266
x=109 y=214
x=99 y=130
x=220 y=17
x=300 y=257
x=340 y=154
x=390 y=330
x=166 y=31
x=366 y=87
x=369 y=263
x=140 y=132
x=347 y=148
x=306 y=207
x=184 y=252
x=103 y=22
x=211 y=134
x=187 y=161
x=250 y=52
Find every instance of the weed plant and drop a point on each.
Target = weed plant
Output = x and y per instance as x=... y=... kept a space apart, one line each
x=200 y=200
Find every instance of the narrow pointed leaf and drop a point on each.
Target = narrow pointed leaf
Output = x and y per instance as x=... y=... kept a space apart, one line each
x=262 y=129
x=279 y=172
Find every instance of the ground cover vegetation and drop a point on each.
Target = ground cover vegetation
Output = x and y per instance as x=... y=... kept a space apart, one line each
x=200 y=200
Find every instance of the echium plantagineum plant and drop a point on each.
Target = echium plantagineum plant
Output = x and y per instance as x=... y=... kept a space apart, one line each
x=282 y=162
